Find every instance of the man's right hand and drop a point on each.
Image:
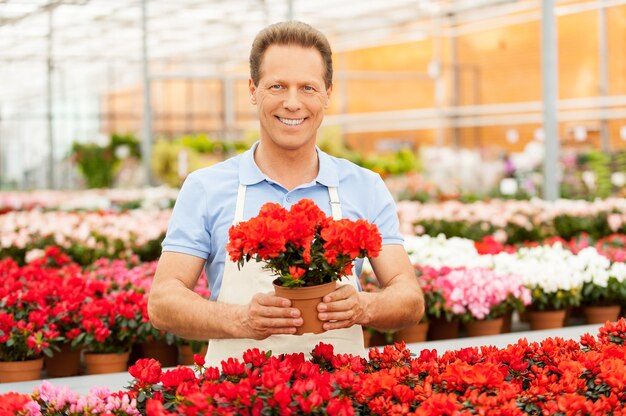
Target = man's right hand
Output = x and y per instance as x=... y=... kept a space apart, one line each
x=268 y=314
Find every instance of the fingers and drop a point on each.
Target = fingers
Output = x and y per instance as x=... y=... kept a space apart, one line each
x=340 y=308
x=269 y=315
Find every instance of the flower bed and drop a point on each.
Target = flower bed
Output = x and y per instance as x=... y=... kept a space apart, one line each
x=557 y=277
x=88 y=199
x=513 y=221
x=52 y=301
x=84 y=236
x=555 y=376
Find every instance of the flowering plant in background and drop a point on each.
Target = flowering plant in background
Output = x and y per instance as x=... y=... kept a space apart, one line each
x=554 y=274
x=435 y=301
x=472 y=294
x=27 y=329
x=302 y=246
x=110 y=324
x=607 y=286
x=84 y=236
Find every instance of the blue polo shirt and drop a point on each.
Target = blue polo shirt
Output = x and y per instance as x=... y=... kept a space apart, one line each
x=205 y=207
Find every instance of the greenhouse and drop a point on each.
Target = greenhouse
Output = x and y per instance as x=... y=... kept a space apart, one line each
x=451 y=172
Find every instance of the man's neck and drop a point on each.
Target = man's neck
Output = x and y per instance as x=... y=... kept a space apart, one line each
x=289 y=168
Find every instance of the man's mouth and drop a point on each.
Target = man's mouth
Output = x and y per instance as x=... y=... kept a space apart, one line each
x=291 y=121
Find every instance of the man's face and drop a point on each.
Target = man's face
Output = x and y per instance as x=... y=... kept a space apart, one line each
x=291 y=96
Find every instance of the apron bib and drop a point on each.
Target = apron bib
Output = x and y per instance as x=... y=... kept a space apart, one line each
x=238 y=287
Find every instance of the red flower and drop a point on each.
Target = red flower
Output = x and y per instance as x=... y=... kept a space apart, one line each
x=146 y=371
x=11 y=403
x=302 y=246
x=324 y=352
x=155 y=408
x=199 y=359
x=177 y=376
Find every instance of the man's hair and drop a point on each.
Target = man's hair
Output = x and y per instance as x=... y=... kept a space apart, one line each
x=290 y=33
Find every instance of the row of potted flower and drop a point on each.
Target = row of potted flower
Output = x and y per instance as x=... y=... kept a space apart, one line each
x=555 y=376
x=52 y=303
x=89 y=235
x=86 y=235
x=556 y=276
x=88 y=199
x=514 y=221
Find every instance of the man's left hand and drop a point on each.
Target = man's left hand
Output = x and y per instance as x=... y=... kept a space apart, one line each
x=342 y=308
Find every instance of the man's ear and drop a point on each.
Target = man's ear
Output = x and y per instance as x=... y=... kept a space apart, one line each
x=252 y=89
x=329 y=91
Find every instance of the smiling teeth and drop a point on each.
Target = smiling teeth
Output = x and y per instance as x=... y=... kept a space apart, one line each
x=291 y=122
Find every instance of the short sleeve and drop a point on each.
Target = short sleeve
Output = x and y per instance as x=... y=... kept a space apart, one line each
x=188 y=230
x=385 y=214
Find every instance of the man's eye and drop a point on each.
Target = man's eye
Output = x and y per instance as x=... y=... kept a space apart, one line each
x=309 y=88
x=276 y=87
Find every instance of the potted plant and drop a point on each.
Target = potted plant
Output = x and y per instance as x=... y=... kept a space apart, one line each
x=481 y=297
x=109 y=328
x=555 y=277
x=604 y=295
x=304 y=249
x=443 y=323
x=27 y=328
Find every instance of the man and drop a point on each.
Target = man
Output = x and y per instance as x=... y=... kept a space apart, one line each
x=291 y=84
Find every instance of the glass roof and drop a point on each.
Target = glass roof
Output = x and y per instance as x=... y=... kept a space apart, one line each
x=88 y=37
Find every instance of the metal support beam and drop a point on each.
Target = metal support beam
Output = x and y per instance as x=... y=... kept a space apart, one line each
x=549 y=70
x=228 y=89
x=49 y=114
x=146 y=142
x=289 y=9
x=603 y=85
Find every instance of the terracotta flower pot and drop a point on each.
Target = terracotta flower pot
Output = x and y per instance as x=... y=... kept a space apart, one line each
x=306 y=300
x=167 y=355
x=64 y=363
x=484 y=327
x=12 y=371
x=415 y=333
x=546 y=319
x=441 y=329
x=601 y=314
x=103 y=363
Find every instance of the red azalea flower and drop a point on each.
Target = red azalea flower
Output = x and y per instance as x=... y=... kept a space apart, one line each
x=146 y=370
x=12 y=403
x=302 y=246
x=155 y=408
x=198 y=359
x=179 y=375
x=324 y=352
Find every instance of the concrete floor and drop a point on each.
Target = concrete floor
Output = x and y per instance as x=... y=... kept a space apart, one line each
x=118 y=381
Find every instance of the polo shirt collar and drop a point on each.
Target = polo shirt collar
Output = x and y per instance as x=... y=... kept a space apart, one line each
x=250 y=174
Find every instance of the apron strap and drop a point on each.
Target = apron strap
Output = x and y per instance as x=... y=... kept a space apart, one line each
x=241 y=197
x=335 y=205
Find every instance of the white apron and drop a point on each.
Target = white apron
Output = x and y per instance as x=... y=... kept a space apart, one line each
x=238 y=287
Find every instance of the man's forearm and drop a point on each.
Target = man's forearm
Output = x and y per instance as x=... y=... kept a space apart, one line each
x=397 y=306
x=176 y=309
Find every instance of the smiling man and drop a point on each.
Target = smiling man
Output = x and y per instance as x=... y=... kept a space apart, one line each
x=290 y=85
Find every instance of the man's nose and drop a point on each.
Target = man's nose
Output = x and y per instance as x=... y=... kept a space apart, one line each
x=292 y=101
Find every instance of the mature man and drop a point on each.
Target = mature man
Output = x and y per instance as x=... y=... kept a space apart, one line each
x=290 y=85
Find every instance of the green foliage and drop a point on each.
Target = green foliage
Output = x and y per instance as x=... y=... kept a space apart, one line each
x=99 y=164
x=95 y=163
x=551 y=301
x=599 y=163
x=201 y=151
x=567 y=226
x=614 y=293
